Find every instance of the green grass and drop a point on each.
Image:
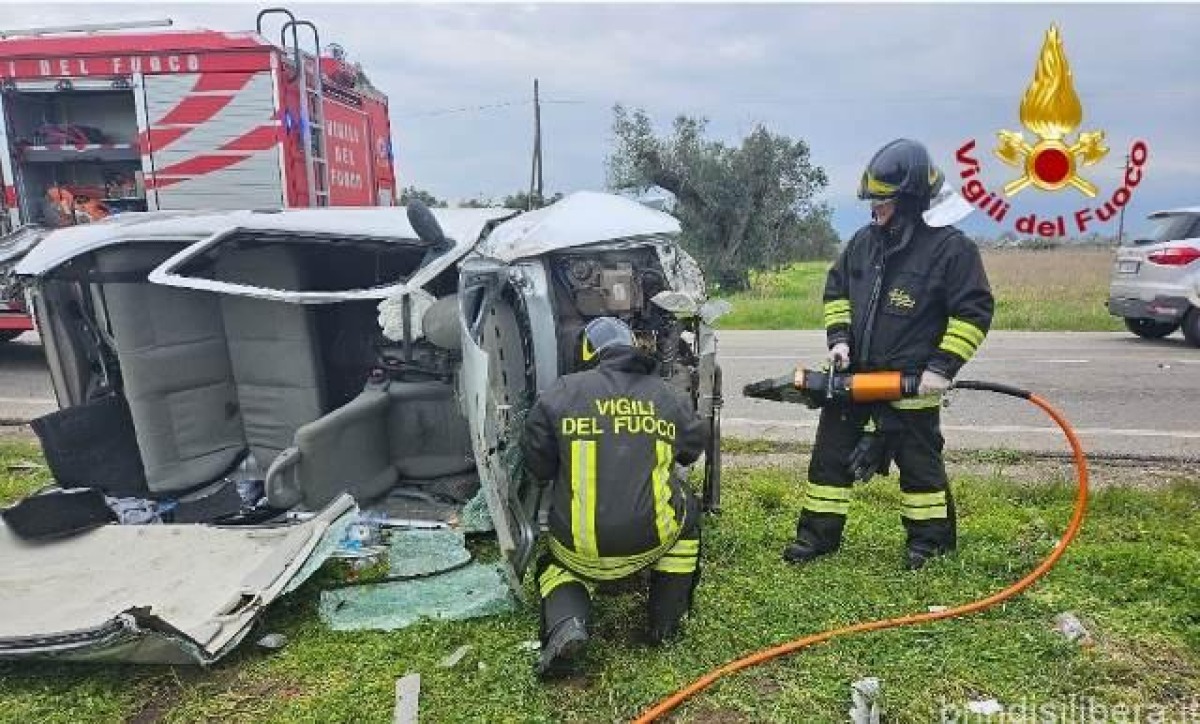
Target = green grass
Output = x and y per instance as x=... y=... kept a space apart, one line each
x=788 y=299
x=1133 y=577
x=1051 y=290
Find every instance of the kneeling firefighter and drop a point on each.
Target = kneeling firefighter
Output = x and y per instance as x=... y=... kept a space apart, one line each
x=902 y=296
x=607 y=440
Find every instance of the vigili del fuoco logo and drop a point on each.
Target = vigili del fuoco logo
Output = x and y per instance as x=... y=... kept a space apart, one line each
x=1053 y=160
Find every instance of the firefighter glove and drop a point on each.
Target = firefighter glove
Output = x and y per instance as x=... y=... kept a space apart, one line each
x=839 y=356
x=870 y=457
x=933 y=383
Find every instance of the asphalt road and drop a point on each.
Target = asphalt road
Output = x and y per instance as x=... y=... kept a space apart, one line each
x=1124 y=395
x=25 y=390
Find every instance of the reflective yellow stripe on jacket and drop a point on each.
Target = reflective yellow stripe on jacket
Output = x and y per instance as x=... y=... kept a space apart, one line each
x=837 y=311
x=961 y=339
x=583 y=554
x=583 y=497
x=606 y=568
x=664 y=514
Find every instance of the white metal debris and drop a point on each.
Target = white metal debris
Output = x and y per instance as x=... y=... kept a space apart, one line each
x=454 y=657
x=408 y=692
x=866 y=696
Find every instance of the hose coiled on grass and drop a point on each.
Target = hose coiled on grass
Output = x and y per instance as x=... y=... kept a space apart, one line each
x=667 y=705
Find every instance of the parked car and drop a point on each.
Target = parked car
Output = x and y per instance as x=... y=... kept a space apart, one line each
x=369 y=353
x=1156 y=277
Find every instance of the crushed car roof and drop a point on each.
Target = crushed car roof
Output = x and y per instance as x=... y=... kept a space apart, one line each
x=583 y=218
x=464 y=226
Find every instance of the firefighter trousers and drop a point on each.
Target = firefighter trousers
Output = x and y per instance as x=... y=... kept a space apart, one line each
x=673 y=577
x=915 y=441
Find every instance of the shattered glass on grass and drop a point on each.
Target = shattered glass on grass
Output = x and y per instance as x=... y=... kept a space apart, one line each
x=444 y=585
x=471 y=592
x=425 y=552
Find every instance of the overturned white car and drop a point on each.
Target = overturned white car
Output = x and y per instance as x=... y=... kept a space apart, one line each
x=340 y=357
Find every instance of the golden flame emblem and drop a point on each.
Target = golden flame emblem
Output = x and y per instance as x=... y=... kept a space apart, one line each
x=1051 y=111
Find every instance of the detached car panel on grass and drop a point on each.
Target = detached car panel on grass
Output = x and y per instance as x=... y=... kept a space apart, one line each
x=1155 y=283
x=341 y=356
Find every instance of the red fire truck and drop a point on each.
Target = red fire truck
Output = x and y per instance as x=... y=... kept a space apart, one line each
x=97 y=123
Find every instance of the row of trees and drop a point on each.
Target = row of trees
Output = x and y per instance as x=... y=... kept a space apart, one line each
x=746 y=207
x=1008 y=239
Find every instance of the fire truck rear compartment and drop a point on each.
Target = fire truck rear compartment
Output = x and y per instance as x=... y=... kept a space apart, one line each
x=210 y=377
x=82 y=140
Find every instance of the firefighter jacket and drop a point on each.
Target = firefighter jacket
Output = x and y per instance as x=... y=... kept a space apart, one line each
x=607 y=440
x=914 y=299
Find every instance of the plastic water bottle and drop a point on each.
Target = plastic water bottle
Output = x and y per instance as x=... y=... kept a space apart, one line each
x=366 y=530
x=248 y=482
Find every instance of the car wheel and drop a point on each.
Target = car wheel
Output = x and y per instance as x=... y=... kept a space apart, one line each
x=1191 y=327
x=1150 y=329
x=8 y=335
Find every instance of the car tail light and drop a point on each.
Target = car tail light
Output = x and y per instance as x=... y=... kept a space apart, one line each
x=1175 y=256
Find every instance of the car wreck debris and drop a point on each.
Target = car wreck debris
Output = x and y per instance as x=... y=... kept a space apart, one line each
x=255 y=379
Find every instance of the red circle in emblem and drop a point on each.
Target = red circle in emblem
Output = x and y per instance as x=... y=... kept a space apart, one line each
x=1052 y=165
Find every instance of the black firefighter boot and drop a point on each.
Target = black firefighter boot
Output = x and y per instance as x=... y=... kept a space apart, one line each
x=562 y=648
x=929 y=539
x=817 y=534
x=669 y=601
x=565 y=614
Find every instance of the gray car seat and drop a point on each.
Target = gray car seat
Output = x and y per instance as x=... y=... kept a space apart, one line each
x=207 y=375
x=397 y=432
x=272 y=350
x=176 y=372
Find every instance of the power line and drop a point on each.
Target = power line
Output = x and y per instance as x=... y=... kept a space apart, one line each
x=487 y=106
x=861 y=99
x=462 y=109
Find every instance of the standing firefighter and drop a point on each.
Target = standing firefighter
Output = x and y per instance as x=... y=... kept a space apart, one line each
x=607 y=440
x=903 y=296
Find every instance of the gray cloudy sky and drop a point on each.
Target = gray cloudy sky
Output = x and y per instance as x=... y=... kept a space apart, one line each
x=847 y=78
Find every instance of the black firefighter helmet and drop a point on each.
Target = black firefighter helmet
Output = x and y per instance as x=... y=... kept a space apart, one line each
x=600 y=334
x=902 y=171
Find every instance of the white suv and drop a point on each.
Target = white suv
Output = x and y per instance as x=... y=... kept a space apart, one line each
x=1156 y=277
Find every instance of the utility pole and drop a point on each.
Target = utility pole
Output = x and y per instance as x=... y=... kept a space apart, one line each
x=1121 y=218
x=535 y=173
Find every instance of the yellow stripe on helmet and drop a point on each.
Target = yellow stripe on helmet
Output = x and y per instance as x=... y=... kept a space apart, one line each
x=875 y=187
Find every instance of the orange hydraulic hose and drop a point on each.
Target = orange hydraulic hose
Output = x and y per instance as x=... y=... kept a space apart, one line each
x=668 y=704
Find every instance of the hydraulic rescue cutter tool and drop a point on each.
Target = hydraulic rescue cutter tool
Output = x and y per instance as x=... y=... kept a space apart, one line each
x=819 y=388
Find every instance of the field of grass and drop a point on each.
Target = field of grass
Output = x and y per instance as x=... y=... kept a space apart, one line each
x=1132 y=577
x=1051 y=290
